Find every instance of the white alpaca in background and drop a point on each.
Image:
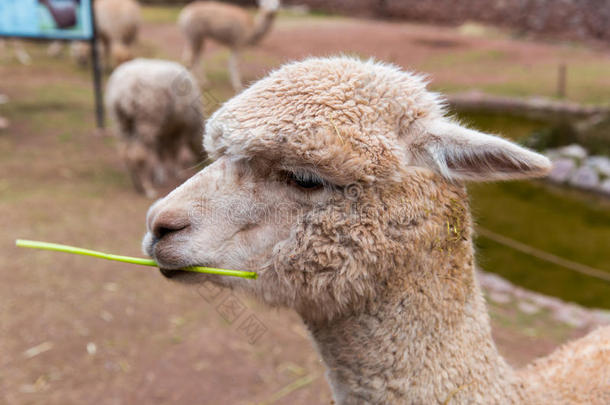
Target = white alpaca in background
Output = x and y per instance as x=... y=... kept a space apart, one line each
x=156 y=108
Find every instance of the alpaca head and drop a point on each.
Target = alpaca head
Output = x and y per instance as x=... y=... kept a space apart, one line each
x=120 y=53
x=330 y=177
x=269 y=5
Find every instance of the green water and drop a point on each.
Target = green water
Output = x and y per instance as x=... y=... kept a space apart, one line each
x=570 y=224
x=515 y=128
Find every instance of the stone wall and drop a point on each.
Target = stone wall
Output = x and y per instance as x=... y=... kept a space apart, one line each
x=583 y=19
x=573 y=166
x=570 y=18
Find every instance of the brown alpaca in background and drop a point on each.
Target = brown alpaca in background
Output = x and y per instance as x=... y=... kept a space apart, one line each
x=227 y=24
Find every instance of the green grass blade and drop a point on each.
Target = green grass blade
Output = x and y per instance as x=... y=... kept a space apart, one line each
x=126 y=259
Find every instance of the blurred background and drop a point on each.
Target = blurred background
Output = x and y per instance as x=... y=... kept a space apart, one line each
x=75 y=330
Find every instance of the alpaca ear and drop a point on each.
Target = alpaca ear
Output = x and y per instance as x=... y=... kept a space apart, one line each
x=460 y=153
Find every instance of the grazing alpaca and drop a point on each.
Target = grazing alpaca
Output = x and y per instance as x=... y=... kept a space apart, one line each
x=341 y=183
x=117 y=23
x=156 y=107
x=230 y=25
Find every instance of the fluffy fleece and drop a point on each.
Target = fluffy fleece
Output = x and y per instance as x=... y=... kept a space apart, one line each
x=156 y=108
x=341 y=183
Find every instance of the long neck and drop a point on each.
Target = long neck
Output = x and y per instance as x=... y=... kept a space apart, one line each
x=262 y=24
x=427 y=340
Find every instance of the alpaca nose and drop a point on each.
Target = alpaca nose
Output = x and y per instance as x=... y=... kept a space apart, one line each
x=168 y=222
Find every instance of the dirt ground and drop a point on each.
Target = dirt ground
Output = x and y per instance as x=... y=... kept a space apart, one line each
x=83 y=331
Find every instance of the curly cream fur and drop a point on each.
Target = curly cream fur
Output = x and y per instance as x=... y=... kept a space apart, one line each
x=227 y=24
x=156 y=106
x=379 y=261
x=117 y=23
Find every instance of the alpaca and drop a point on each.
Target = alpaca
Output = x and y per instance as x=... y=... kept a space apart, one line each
x=156 y=107
x=117 y=23
x=230 y=25
x=341 y=183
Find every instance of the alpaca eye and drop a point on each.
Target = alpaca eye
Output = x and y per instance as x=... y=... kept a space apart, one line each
x=306 y=181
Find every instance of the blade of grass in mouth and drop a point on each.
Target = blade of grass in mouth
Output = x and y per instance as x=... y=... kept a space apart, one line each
x=126 y=259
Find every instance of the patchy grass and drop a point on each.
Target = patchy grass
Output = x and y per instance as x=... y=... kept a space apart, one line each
x=588 y=79
x=48 y=105
x=473 y=57
x=538 y=324
x=160 y=14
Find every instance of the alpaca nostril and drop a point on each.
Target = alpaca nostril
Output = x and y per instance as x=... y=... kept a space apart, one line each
x=160 y=231
x=164 y=225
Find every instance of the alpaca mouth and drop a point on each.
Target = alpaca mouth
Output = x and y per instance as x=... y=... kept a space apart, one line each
x=167 y=257
x=177 y=273
x=168 y=273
